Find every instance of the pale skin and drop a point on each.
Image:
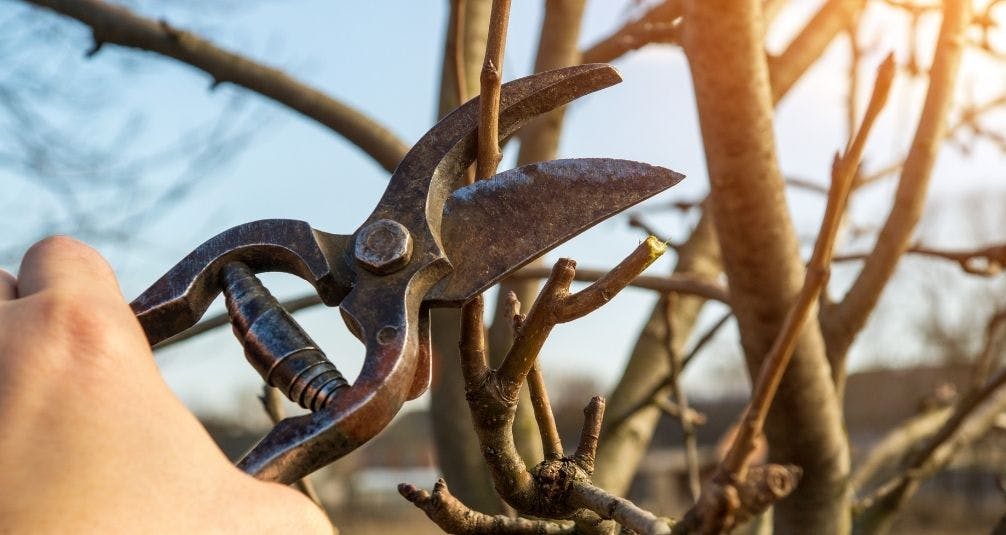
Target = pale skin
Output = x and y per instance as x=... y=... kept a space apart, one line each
x=92 y=440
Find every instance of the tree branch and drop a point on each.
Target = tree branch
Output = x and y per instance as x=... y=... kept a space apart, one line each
x=674 y=379
x=843 y=321
x=678 y=283
x=118 y=25
x=659 y=24
x=967 y=424
x=984 y=261
x=788 y=67
x=453 y=516
x=556 y=305
x=558 y=39
x=489 y=99
x=550 y=490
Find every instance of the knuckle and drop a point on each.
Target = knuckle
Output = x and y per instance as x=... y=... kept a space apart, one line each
x=72 y=320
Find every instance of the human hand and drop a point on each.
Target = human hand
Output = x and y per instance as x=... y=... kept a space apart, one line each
x=92 y=439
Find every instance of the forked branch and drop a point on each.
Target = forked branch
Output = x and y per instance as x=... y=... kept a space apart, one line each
x=559 y=487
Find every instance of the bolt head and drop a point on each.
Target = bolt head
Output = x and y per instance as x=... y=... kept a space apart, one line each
x=383 y=247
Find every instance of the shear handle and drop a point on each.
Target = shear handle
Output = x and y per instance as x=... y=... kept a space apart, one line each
x=275 y=344
x=388 y=318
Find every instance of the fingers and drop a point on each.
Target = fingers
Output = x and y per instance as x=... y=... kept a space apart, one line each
x=64 y=264
x=8 y=286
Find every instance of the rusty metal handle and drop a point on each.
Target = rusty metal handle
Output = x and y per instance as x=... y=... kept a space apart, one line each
x=275 y=344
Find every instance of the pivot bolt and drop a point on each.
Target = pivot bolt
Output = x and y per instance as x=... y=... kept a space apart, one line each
x=383 y=247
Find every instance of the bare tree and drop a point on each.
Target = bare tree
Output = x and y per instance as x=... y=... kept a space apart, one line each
x=795 y=336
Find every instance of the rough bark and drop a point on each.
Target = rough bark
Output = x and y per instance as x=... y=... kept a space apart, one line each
x=724 y=45
x=453 y=432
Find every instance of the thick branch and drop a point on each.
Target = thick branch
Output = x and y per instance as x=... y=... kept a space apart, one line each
x=789 y=66
x=657 y=25
x=760 y=253
x=118 y=25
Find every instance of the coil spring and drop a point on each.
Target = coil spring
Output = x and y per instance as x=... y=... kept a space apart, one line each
x=275 y=344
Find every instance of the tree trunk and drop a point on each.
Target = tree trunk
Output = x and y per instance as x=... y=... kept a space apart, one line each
x=724 y=44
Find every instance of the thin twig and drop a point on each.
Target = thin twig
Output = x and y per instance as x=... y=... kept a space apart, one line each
x=489 y=99
x=678 y=283
x=985 y=261
x=550 y=442
x=118 y=25
x=674 y=379
x=556 y=305
x=843 y=321
x=458 y=50
x=706 y=338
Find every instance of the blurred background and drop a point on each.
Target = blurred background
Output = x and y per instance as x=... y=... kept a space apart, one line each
x=144 y=158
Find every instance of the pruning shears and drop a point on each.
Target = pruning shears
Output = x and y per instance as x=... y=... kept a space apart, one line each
x=430 y=242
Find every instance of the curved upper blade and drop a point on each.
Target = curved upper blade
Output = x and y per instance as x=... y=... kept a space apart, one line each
x=434 y=167
x=495 y=226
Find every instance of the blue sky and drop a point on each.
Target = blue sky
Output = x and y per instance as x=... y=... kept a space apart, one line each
x=384 y=57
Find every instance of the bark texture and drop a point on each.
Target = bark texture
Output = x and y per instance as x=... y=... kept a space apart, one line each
x=724 y=44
